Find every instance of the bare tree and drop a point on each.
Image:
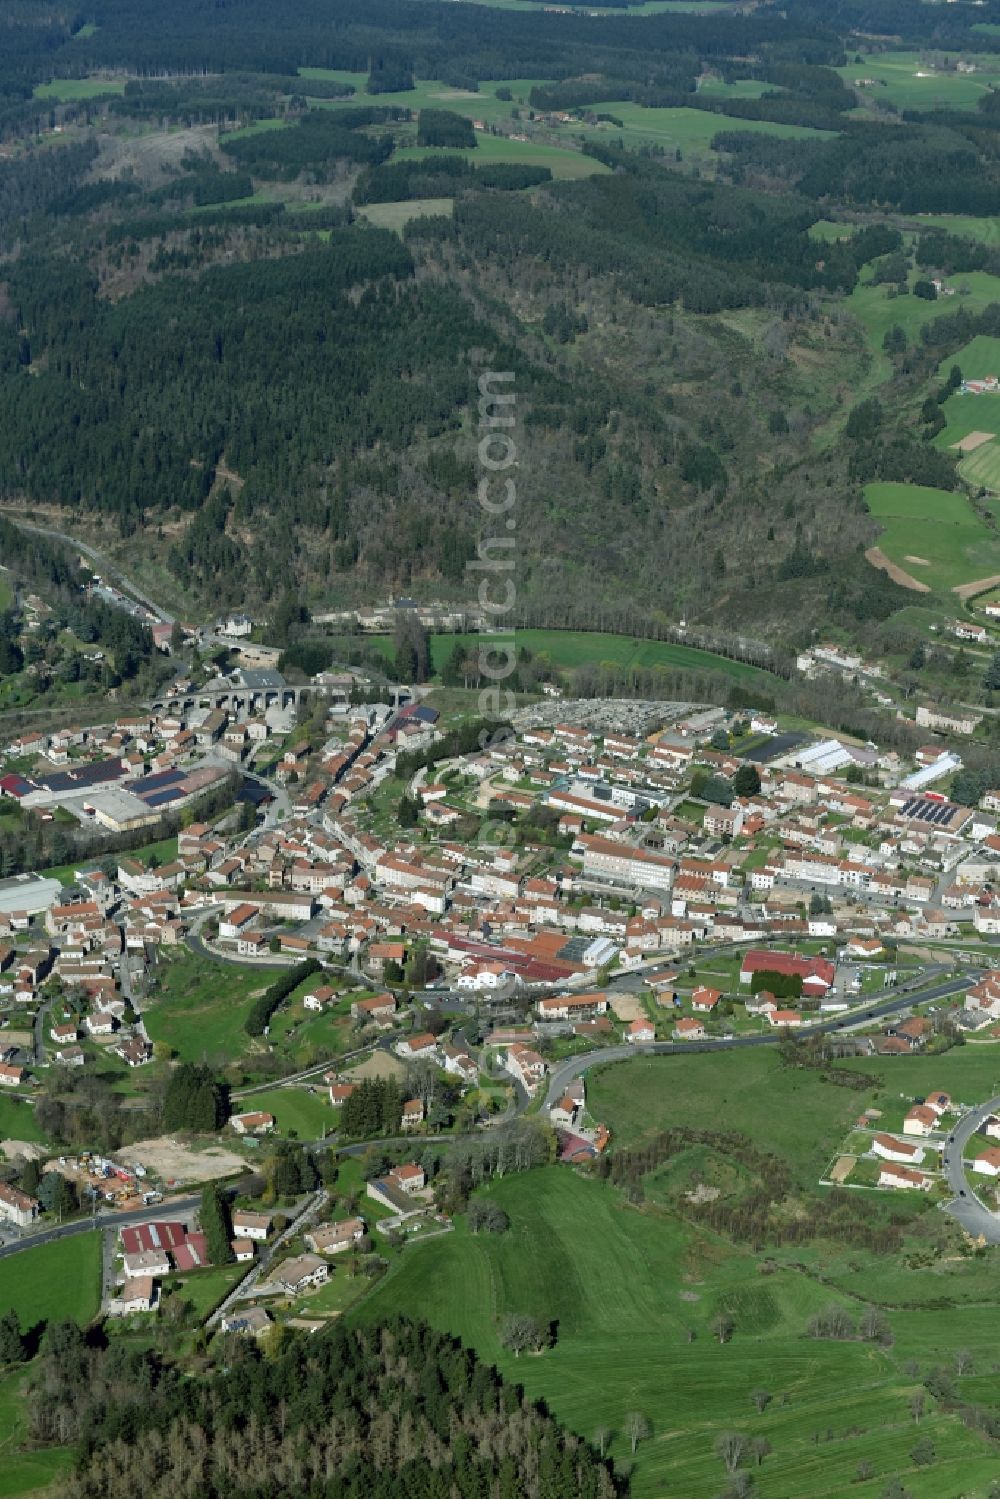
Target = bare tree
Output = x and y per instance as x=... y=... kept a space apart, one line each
x=637 y=1428
x=760 y=1447
x=963 y=1361
x=917 y=1402
x=731 y=1447
x=602 y=1437
x=722 y=1326
x=761 y=1400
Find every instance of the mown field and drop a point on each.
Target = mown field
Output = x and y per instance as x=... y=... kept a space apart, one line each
x=731 y=1090
x=581 y=647
x=982 y=468
x=626 y=1289
x=941 y=529
x=305 y=1115
x=633 y=1293
x=54 y=1281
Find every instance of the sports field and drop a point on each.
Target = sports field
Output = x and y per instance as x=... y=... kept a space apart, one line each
x=581 y=647
x=55 y=1281
x=198 y=1006
x=624 y=1289
x=951 y=543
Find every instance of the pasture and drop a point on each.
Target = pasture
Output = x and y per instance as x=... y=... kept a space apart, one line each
x=198 y=1007
x=939 y=527
x=789 y=1111
x=396 y=215
x=967 y=226
x=571 y=648
x=977 y=360
x=54 y=1282
x=71 y=90
x=684 y=129
x=626 y=1290
x=563 y=162
x=877 y=312
x=910 y=82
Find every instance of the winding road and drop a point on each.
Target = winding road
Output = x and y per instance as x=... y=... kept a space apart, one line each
x=967 y=1206
x=902 y=999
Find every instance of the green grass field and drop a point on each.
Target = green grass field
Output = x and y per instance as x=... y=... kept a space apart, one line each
x=940 y=528
x=69 y=90
x=579 y=647
x=198 y=1007
x=898 y=81
x=623 y=1288
x=987 y=231
x=878 y=312
x=563 y=163
x=971 y=1073
x=982 y=467
x=164 y=851
x=296 y=1109
x=396 y=215
x=23 y=1470
x=55 y=1281
x=829 y=230
x=17 y=1121
x=791 y=1109
x=965 y=414
x=6 y=591
x=977 y=359
x=684 y=129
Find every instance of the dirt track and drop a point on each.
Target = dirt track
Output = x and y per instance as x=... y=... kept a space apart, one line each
x=877 y=558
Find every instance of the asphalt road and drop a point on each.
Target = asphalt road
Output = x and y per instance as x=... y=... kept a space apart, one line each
x=971 y=1212
x=108 y=569
x=901 y=999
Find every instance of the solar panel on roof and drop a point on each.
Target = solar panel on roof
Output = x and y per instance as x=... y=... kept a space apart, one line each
x=162 y=798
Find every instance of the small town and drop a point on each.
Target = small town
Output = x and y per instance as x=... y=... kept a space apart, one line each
x=381 y=934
